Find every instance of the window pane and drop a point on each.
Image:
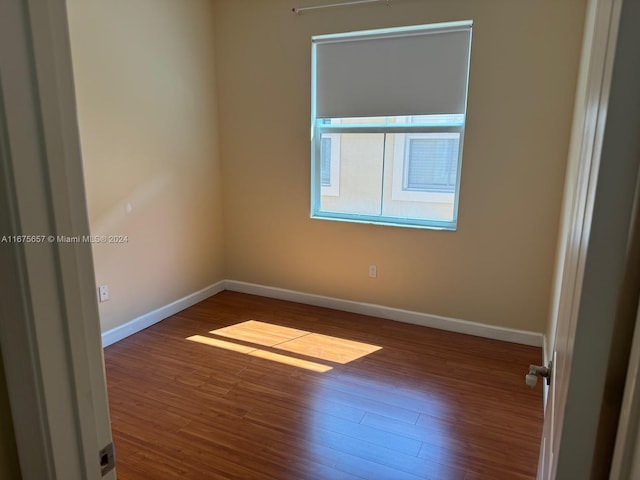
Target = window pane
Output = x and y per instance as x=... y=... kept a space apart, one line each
x=361 y=164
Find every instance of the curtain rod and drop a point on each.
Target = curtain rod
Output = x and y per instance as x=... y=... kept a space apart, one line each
x=299 y=10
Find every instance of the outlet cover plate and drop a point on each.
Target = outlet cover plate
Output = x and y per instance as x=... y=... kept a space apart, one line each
x=103 y=293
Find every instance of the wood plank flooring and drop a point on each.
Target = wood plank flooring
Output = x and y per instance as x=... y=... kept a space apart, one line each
x=426 y=404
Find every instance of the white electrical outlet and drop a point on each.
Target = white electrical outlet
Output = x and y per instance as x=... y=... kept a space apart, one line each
x=373 y=271
x=103 y=293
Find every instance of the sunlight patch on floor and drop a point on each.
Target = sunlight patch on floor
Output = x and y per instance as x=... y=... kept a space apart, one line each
x=214 y=342
x=333 y=349
x=260 y=333
x=300 y=342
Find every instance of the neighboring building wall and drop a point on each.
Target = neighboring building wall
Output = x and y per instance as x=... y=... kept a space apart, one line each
x=360 y=175
x=497 y=267
x=146 y=95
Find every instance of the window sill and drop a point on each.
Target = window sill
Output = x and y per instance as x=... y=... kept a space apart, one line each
x=386 y=221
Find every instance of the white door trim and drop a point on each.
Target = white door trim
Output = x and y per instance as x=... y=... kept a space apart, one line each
x=49 y=333
x=595 y=321
x=591 y=260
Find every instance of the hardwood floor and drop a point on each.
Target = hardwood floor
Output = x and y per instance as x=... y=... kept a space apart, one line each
x=415 y=403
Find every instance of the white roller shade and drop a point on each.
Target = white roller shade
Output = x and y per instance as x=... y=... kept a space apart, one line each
x=414 y=71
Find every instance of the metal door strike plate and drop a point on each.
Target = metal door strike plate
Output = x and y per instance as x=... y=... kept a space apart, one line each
x=107 y=459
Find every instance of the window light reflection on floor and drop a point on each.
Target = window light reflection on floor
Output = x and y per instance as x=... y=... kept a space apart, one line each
x=253 y=334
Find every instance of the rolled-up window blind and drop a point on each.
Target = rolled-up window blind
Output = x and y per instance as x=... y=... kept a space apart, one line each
x=413 y=71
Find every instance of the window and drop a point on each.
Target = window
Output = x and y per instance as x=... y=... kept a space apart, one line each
x=388 y=118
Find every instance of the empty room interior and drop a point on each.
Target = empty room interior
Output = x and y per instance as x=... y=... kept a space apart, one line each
x=325 y=234
x=194 y=126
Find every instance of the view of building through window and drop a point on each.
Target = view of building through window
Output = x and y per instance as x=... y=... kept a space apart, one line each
x=411 y=175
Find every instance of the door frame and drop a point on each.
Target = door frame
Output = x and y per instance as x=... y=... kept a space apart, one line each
x=626 y=456
x=598 y=313
x=50 y=328
x=589 y=117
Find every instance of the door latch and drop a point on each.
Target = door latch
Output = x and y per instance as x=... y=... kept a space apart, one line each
x=107 y=459
x=536 y=371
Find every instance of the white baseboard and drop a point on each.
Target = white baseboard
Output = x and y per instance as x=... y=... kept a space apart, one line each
x=434 y=321
x=134 y=326
x=523 y=337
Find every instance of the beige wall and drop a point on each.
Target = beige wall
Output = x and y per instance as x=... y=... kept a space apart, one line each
x=497 y=267
x=146 y=96
x=149 y=101
x=9 y=466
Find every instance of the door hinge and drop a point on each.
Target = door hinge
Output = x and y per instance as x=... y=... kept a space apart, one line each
x=107 y=459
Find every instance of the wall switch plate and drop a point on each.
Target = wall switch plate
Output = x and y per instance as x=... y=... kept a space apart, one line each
x=373 y=271
x=103 y=293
